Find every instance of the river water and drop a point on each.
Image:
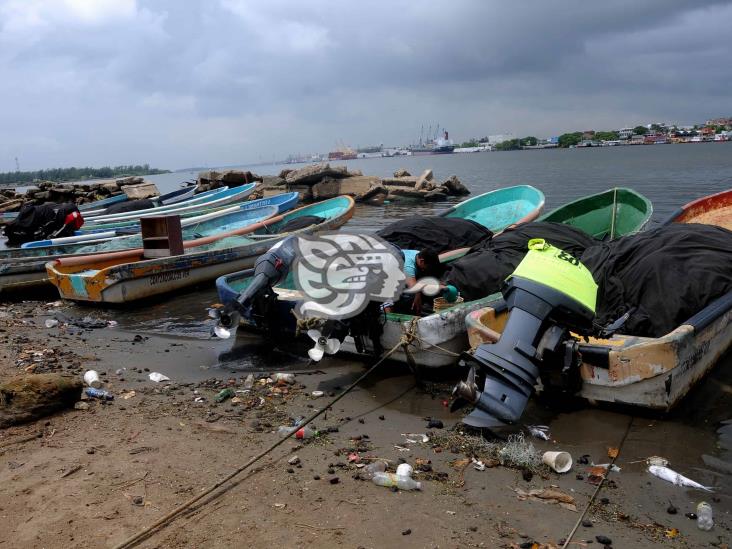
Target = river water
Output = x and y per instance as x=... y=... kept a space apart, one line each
x=669 y=175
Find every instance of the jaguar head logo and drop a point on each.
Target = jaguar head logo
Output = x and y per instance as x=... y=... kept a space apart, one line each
x=339 y=273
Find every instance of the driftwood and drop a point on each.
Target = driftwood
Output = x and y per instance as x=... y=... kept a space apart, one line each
x=33 y=396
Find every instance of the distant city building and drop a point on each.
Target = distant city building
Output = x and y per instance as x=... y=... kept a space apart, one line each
x=625 y=133
x=500 y=138
x=720 y=122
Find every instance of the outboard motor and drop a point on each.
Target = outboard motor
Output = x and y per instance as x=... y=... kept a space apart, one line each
x=548 y=294
x=269 y=269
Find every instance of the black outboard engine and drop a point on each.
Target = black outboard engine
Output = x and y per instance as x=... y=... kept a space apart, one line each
x=548 y=294
x=269 y=269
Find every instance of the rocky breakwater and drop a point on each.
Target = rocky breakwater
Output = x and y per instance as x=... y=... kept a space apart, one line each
x=79 y=193
x=227 y=178
x=323 y=181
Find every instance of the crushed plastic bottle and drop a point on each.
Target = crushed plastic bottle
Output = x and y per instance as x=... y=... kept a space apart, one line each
x=249 y=382
x=300 y=433
x=368 y=472
x=101 y=394
x=704 y=517
x=392 y=479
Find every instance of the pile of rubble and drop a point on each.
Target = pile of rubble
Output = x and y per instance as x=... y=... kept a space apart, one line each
x=80 y=193
x=323 y=181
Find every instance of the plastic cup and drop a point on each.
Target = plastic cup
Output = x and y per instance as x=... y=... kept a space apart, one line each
x=91 y=378
x=561 y=462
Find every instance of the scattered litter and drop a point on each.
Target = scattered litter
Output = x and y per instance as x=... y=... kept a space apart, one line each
x=614 y=468
x=224 y=394
x=612 y=453
x=401 y=448
x=199 y=399
x=658 y=461
x=539 y=431
x=354 y=458
x=157 y=377
x=81 y=405
x=294 y=460
x=249 y=382
x=51 y=323
x=672 y=533
x=317 y=394
x=237 y=400
x=221 y=332
x=452 y=513
x=101 y=394
x=111 y=323
x=389 y=480
x=91 y=378
x=673 y=477
x=478 y=465
x=548 y=495
x=285 y=378
x=279 y=505
x=127 y=395
x=412 y=438
x=561 y=462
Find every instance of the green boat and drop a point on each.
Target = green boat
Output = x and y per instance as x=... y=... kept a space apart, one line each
x=606 y=215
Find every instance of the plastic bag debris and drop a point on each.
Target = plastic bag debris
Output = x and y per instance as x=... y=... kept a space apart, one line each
x=539 y=431
x=157 y=377
x=673 y=477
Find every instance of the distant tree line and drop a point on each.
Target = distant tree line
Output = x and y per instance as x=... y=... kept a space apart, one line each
x=76 y=174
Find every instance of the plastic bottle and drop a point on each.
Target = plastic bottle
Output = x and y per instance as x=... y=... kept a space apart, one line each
x=249 y=381
x=392 y=479
x=404 y=470
x=224 y=394
x=101 y=394
x=368 y=472
x=704 y=518
x=301 y=433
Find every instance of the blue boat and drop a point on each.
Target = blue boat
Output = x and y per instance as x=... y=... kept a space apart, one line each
x=500 y=209
x=281 y=202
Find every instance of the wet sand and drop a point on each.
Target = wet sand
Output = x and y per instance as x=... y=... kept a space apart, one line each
x=97 y=476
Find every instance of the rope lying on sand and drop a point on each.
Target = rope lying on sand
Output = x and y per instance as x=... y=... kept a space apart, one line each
x=568 y=539
x=149 y=530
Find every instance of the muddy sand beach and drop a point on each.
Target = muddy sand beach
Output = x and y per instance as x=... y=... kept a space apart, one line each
x=96 y=474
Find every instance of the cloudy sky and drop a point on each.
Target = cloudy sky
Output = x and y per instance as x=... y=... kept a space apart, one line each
x=215 y=82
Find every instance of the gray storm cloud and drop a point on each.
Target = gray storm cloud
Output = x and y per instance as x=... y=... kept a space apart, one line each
x=220 y=82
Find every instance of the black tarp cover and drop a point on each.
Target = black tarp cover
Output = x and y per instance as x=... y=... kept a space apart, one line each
x=482 y=271
x=668 y=274
x=439 y=234
x=39 y=222
x=130 y=206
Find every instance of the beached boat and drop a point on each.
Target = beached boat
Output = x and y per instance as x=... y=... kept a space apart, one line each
x=500 y=209
x=281 y=202
x=23 y=268
x=437 y=337
x=120 y=277
x=605 y=215
x=225 y=196
x=643 y=371
x=714 y=209
x=96 y=208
